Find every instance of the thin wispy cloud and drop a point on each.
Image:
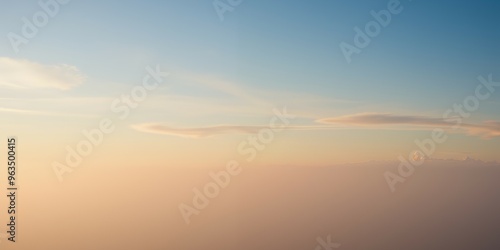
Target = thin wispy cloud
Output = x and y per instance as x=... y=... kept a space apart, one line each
x=208 y=131
x=222 y=85
x=40 y=113
x=22 y=111
x=217 y=94
x=488 y=129
x=372 y=119
x=60 y=100
x=198 y=132
x=24 y=74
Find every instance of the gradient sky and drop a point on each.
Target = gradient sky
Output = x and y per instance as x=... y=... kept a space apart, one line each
x=324 y=174
x=234 y=72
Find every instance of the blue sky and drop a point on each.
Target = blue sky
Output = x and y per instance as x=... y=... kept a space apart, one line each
x=292 y=44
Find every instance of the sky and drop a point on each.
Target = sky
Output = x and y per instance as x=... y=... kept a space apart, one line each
x=212 y=81
x=261 y=56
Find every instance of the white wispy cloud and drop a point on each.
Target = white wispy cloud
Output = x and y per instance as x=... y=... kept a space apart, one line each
x=222 y=85
x=208 y=131
x=40 y=113
x=24 y=74
x=202 y=94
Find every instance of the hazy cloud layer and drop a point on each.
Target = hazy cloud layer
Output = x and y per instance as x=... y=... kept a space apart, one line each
x=24 y=74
